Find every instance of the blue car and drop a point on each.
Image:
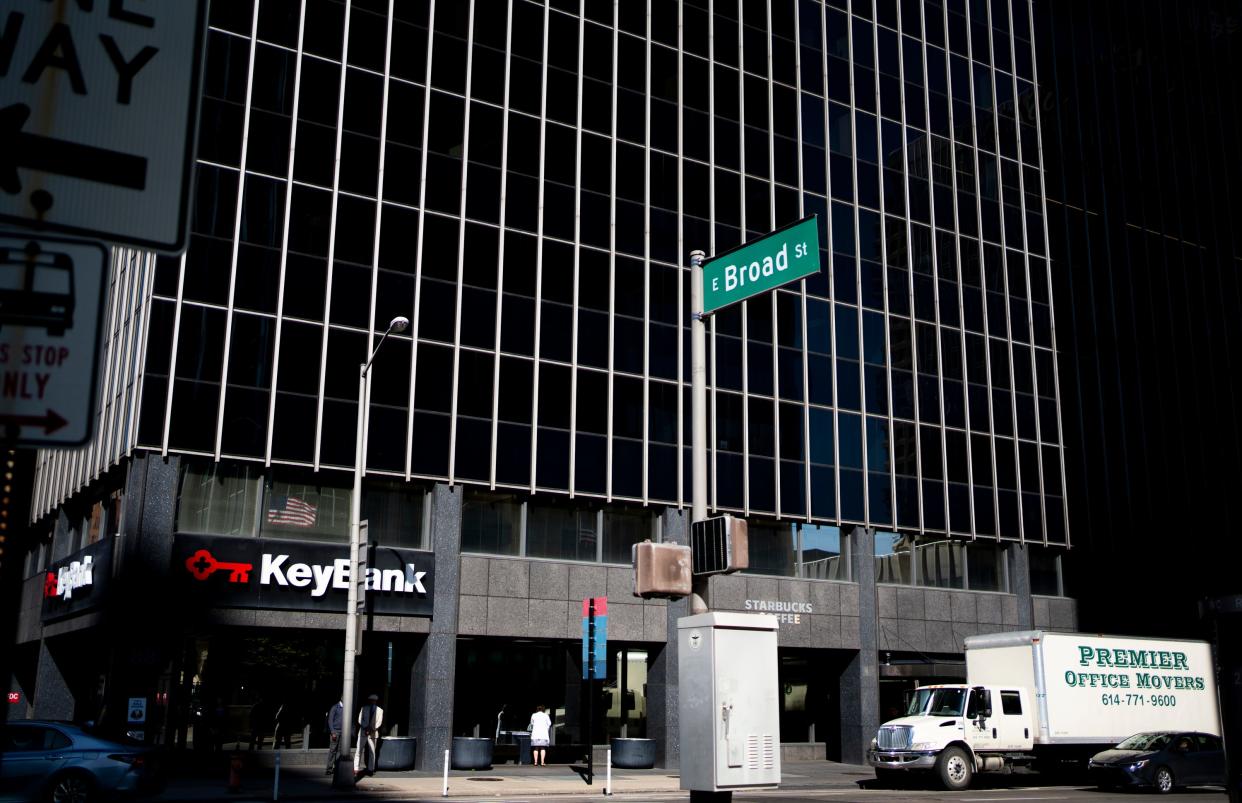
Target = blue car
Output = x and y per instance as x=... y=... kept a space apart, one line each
x=60 y=762
x=1163 y=760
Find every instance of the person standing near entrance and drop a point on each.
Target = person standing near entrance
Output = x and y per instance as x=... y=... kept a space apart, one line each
x=336 y=720
x=540 y=728
x=369 y=720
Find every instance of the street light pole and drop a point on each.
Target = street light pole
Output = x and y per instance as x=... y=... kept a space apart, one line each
x=343 y=777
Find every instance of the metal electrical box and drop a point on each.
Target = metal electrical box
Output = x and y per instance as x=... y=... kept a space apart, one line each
x=729 y=701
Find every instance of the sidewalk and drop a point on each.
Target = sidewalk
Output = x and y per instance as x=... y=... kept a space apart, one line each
x=502 y=781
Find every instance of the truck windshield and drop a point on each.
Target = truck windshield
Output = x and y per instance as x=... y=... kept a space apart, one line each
x=937 y=702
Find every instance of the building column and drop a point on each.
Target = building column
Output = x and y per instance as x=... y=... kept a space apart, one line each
x=433 y=678
x=1020 y=584
x=662 y=712
x=860 y=680
x=53 y=699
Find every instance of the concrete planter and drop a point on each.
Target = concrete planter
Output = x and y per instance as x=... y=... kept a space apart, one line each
x=471 y=753
x=633 y=754
x=397 y=752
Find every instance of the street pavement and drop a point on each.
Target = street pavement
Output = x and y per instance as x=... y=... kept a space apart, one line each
x=801 y=781
x=507 y=782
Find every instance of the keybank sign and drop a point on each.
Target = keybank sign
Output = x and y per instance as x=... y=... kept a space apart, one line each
x=297 y=575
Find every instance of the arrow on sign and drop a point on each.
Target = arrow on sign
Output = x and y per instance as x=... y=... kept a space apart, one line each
x=50 y=421
x=61 y=157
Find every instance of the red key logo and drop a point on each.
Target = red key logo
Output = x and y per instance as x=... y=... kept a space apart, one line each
x=202 y=565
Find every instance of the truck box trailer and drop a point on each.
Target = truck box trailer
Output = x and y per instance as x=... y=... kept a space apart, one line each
x=1036 y=697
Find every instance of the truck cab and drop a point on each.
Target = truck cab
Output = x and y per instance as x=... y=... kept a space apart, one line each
x=955 y=730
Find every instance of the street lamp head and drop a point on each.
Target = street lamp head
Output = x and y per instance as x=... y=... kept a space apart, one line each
x=399 y=324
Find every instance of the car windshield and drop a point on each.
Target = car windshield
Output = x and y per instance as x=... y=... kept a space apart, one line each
x=1146 y=741
x=937 y=702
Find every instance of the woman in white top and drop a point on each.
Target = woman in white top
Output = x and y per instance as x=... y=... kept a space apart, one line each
x=540 y=728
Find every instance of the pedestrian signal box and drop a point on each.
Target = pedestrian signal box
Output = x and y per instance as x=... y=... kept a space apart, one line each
x=661 y=570
x=720 y=545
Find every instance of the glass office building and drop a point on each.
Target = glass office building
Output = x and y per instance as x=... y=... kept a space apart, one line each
x=1141 y=126
x=524 y=182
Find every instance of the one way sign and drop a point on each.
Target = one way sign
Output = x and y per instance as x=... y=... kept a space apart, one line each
x=98 y=110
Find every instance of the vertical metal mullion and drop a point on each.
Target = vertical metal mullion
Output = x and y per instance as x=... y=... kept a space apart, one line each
x=284 y=239
x=741 y=137
x=612 y=248
x=832 y=287
x=577 y=267
x=1000 y=189
x=776 y=384
x=336 y=189
x=987 y=338
x=102 y=444
x=905 y=180
x=1026 y=272
x=599 y=533
x=418 y=247
x=711 y=239
x=681 y=249
x=862 y=348
x=543 y=146
x=237 y=220
x=1043 y=197
x=138 y=366
x=172 y=362
x=379 y=221
x=957 y=248
x=646 y=216
x=806 y=346
x=500 y=253
x=888 y=357
x=461 y=244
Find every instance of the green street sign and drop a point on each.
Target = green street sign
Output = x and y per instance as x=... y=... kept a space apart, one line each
x=784 y=256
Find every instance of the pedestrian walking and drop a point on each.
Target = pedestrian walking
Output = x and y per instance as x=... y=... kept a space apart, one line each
x=369 y=720
x=540 y=728
x=336 y=721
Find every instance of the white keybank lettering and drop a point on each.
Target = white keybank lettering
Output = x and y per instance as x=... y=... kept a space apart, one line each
x=76 y=575
x=276 y=570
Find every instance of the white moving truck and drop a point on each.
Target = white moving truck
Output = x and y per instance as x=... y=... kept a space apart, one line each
x=1040 y=698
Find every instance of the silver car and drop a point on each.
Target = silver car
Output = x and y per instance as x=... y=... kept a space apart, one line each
x=57 y=761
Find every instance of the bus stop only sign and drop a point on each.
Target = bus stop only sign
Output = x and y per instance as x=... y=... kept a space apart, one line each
x=98 y=109
x=51 y=304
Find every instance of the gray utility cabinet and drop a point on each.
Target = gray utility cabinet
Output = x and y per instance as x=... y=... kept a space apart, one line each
x=729 y=701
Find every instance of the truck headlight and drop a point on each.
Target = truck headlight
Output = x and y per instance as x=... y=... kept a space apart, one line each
x=1138 y=765
x=874 y=744
x=923 y=746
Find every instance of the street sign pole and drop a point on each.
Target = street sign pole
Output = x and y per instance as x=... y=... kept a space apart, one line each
x=698 y=416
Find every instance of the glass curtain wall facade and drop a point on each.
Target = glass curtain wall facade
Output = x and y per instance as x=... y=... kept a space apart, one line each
x=524 y=181
x=1141 y=125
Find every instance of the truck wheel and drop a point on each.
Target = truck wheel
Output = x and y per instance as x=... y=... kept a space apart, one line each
x=1164 y=780
x=954 y=768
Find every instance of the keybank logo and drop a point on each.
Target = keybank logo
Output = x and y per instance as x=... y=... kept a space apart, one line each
x=279 y=570
x=61 y=584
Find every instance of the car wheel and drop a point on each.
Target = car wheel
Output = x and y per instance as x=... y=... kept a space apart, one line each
x=72 y=787
x=954 y=768
x=1163 y=780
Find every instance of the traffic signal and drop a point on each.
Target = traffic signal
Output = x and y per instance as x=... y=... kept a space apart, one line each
x=661 y=570
x=720 y=545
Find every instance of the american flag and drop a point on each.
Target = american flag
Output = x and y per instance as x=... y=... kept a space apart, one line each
x=291 y=511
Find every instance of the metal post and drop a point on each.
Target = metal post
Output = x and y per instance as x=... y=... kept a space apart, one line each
x=700 y=598
x=343 y=777
x=344 y=774
x=698 y=409
x=590 y=728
